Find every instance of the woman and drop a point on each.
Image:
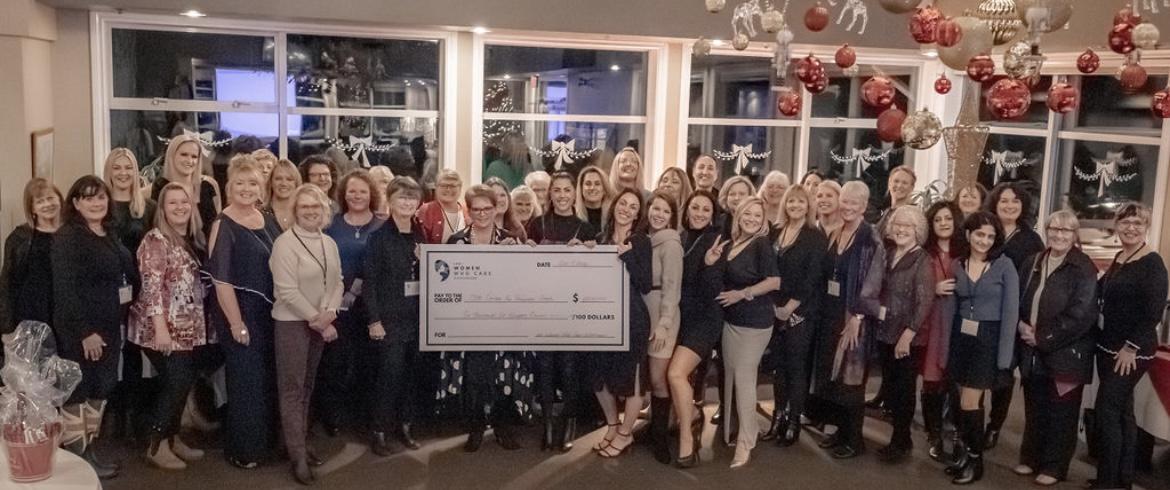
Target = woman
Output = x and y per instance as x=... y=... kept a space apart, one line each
x=706 y=173
x=182 y=163
x=970 y=198
x=663 y=304
x=391 y=296
x=798 y=243
x=854 y=268
x=491 y=382
x=626 y=172
x=526 y=205
x=981 y=339
x=306 y=274
x=734 y=191
x=899 y=185
x=282 y=182
x=701 y=317
x=94 y=282
x=444 y=216
x=943 y=245
x=772 y=192
x=340 y=368
x=241 y=245
x=1132 y=297
x=539 y=181
x=321 y=171
x=828 y=197
x=26 y=280
x=1011 y=205
x=560 y=370
x=168 y=320
x=514 y=162
x=746 y=273
x=505 y=218
x=907 y=296
x=1057 y=313
x=619 y=374
x=381 y=175
x=811 y=180
x=594 y=196
x=675 y=183
x=266 y=160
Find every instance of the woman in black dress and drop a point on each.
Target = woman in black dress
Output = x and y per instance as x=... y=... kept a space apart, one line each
x=241 y=244
x=1132 y=297
x=1012 y=205
x=701 y=319
x=94 y=282
x=798 y=243
x=621 y=374
x=26 y=280
x=183 y=164
x=981 y=341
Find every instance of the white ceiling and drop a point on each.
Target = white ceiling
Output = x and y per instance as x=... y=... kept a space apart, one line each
x=666 y=18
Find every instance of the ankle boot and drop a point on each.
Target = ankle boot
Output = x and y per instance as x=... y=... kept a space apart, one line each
x=406 y=438
x=93 y=412
x=779 y=422
x=791 y=432
x=378 y=444
x=660 y=429
x=159 y=454
x=568 y=434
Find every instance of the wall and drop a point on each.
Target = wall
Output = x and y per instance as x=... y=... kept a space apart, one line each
x=72 y=101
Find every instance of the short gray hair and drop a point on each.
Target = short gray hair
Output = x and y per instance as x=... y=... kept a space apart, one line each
x=856 y=188
x=1064 y=217
x=914 y=214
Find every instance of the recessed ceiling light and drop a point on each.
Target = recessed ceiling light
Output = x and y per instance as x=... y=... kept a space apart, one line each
x=507 y=76
x=930 y=53
x=194 y=14
x=480 y=30
x=614 y=68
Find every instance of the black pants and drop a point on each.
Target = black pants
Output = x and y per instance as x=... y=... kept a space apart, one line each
x=481 y=396
x=1116 y=426
x=98 y=378
x=396 y=387
x=791 y=354
x=250 y=372
x=900 y=376
x=176 y=375
x=1050 y=426
x=848 y=414
x=558 y=370
x=338 y=400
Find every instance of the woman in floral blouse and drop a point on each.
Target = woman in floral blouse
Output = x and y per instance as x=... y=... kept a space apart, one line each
x=167 y=321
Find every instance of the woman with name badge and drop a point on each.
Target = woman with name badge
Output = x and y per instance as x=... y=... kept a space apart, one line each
x=444 y=216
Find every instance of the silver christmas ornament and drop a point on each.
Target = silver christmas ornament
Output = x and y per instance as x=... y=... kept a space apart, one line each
x=740 y=42
x=714 y=6
x=1001 y=17
x=1146 y=36
x=772 y=21
x=921 y=130
x=1021 y=64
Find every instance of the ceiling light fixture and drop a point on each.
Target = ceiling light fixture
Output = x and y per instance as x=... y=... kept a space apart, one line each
x=614 y=68
x=480 y=30
x=194 y=14
x=507 y=76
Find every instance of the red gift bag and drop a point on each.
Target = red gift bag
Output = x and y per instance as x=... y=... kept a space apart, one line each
x=30 y=455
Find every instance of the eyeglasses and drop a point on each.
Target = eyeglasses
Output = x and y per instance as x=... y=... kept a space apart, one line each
x=1055 y=229
x=1130 y=223
x=448 y=186
x=903 y=226
x=482 y=210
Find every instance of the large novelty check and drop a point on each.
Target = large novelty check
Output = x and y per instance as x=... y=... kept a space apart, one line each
x=517 y=297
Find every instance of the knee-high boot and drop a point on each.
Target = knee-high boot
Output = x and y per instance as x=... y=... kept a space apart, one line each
x=932 y=419
x=779 y=416
x=92 y=412
x=660 y=428
x=972 y=469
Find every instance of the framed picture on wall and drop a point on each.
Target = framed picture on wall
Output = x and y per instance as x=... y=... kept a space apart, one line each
x=42 y=154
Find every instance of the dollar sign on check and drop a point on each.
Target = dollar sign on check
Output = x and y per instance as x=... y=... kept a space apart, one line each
x=575 y=299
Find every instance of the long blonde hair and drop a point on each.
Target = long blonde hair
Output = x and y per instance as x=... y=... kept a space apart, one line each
x=736 y=233
x=582 y=212
x=191 y=239
x=169 y=173
x=137 y=199
x=614 y=181
x=286 y=165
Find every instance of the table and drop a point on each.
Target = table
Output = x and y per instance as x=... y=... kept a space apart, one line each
x=70 y=472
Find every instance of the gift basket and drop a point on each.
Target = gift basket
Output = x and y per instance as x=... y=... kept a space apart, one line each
x=36 y=384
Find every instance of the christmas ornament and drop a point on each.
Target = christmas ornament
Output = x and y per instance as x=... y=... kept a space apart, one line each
x=809 y=69
x=1009 y=98
x=1152 y=5
x=1001 y=17
x=818 y=85
x=1121 y=39
x=878 y=92
x=816 y=18
x=782 y=52
x=742 y=156
x=1146 y=36
x=947 y=32
x=981 y=68
x=788 y=102
x=889 y=125
x=715 y=6
x=743 y=19
x=943 y=85
x=740 y=42
x=1007 y=164
x=564 y=151
x=859 y=11
x=1127 y=16
x=976 y=40
x=923 y=23
x=1041 y=16
x=846 y=56
x=702 y=47
x=1063 y=98
x=1160 y=104
x=899 y=6
x=1088 y=62
x=1133 y=77
x=921 y=130
x=1108 y=171
x=1023 y=61
x=772 y=21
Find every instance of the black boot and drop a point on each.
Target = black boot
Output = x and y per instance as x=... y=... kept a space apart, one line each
x=660 y=429
x=378 y=444
x=474 y=441
x=779 y=422
x=506 y=437
x=972 y=469
x=406 y=438
x=791 y=432
x=932 y=419
x=568 y=434
x=550 y=428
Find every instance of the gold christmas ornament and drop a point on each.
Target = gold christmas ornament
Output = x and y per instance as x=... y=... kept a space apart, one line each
x=1001 y=18
x=976 y=40
x=772 y=21
x=702 y=47
x=1146 y=35
x=740 y=42
x=966 y=139
x=1044 y=15
x=715 y=6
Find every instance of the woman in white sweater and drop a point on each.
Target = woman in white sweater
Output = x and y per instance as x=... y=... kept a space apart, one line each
x=306 y=276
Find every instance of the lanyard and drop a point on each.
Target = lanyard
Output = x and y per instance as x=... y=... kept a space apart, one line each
x=323 y=262
x=1112 y=268
x=967 y=269
x=447 y=221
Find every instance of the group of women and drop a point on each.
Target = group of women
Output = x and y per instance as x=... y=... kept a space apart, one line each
x=295 y=268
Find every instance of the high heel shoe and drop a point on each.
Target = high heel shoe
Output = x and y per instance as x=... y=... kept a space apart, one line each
x=691 y=460
x=742 y=456
x=618 y=445
x=776 y=429
x=607 y=439
x=568 y=435
x=791 y=434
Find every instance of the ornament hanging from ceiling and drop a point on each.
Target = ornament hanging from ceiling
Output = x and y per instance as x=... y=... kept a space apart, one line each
x=1088 y=62
x=878 y=92
x=1132 y=77
x=947 y=32
x=772 y=21
x=1121 y=39
x=921 y=130
x=1160 y=103
x=740 y=42
x=859 y=11
x=743 y=20
x=782 y=52
x=889 y=125
x=809 y=68
x=943 y=85
x=1001 y=17
x=965 y=140
x=1063 y=98
x=1009 y=98
x=923 y=23
x=1146 y=36
x=702 y=47
x=1127 y=16
x=981 y=68
x=1152 y=5
x=1023 y=61
x=816 y=18
x=817 y=86
x=715 y=6
x=899 y=6
x=788 y=102
x=845 y=56
x=976 y=40
x=1042 y=16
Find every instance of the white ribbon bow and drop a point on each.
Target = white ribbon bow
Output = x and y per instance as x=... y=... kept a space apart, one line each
x=740 y=153
x=205 y=138
x=1106 y=173
x=564 y=152
x=861 y=158
x=360 y=145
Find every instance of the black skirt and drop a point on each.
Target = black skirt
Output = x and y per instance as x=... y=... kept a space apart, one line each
x=699 y=330
x=974 y=358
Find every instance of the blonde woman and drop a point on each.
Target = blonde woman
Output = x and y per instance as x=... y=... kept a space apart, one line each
x=525 y=205
x=266 y=160
x=734 y=191
x=626 y=172
x=132 y=213
x=381 y=175
x=182 y=164
x=594 y=196
x=772 y=191
x=539 y=181
x=662 y=220
x=282 y=183
x=675 y=183
x=828 y=201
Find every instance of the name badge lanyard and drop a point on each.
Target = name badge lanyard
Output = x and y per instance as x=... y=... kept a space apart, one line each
x=848 y=245
x=1109 y=276
x=323 y=262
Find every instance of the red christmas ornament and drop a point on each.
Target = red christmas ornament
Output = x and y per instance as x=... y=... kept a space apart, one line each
x=809 y=68
x=1132 y=77
x=878 y=92
x=1127 y=16
x=1121 y=39
x=943 y=85
x=788 y=103
x=980 y=68
x=948 y=32
x=1088 y=62
x=846 y=56
x=1161 y=103
x=816 y=18
x=923 y=24
x=889 y=125
x=1063 y=98
x=1009 y=98
x=818 y=85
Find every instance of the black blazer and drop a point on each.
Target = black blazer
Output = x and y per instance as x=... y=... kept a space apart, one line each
x=16 y=249
x=88 y=271
x=389 y=264
x=1064 y=323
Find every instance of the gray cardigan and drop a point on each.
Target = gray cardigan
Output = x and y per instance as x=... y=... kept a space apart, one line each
x=994 y=298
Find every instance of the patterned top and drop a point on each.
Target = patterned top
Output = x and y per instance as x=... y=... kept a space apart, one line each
x=171 y=286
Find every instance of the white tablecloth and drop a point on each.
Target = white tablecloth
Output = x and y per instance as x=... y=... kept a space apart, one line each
x=70 y=472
